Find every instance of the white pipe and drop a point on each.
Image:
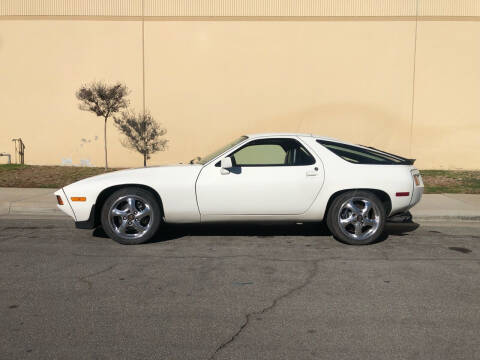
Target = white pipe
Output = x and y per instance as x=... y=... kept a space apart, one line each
x=9 y=157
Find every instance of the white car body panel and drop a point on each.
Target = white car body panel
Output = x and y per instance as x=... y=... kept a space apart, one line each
x=275 y=190
x=201 y=193
x=343 y=175
x=174 y=184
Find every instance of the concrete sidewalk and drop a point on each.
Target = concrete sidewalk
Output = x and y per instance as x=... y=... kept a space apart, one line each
x=42 y=202
x=28 y=201
x=447 y=206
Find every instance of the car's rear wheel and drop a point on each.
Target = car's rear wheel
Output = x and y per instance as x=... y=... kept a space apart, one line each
x=356 y=217
x=131 y=216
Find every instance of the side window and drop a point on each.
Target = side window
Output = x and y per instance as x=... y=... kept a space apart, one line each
x=261 y=154
x=299 y=156
x=272 y=152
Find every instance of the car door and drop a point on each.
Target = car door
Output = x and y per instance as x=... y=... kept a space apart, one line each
x=273 y=176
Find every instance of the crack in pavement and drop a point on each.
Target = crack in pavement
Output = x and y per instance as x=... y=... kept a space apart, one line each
x=308 y=279
x=89 y=283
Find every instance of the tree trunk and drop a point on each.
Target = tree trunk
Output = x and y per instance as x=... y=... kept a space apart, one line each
x=144 y=160
x=105 y=142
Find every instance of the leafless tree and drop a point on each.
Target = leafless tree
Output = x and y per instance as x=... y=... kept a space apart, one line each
x=142 y=133
x=103 y=100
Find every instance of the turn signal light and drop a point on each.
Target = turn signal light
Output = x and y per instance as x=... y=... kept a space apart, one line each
x=78 y=198
x=59 y=200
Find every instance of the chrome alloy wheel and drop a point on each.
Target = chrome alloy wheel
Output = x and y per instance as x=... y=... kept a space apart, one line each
x=130 y=216
x=359 y=218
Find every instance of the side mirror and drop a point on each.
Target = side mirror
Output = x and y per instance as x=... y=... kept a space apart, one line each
x=225 y=164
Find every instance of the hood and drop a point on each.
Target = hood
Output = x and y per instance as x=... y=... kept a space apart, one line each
x=142 y=175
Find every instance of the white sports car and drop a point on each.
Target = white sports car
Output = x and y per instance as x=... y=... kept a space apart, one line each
x=263 y=177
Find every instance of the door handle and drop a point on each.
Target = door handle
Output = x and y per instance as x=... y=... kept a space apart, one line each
x=313 y=172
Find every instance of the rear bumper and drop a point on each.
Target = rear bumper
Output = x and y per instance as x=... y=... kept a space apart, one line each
x=90 y=223
x=414 y=199
x=404 y=217
x=416 y=195
x=400 y=204
x=417 y=191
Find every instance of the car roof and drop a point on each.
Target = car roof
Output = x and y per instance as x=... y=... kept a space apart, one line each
x=322 y=138
x=261 y=135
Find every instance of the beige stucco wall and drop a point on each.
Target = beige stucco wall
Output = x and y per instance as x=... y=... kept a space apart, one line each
x=42 y=64
x=209 y=80
x=446 y=127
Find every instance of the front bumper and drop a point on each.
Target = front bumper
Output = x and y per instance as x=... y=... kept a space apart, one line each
x=90 y=223
x=66 y=207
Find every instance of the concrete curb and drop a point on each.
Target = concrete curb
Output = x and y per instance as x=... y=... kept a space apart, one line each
x=446 y=218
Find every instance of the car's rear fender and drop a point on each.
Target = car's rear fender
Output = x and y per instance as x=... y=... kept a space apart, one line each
x=390 y=182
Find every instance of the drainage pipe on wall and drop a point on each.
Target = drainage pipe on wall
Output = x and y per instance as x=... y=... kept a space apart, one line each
x=9 y=157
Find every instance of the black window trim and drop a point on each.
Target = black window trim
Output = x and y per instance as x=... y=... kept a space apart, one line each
x=401 y=160
x=268 y=165
x=406 y=160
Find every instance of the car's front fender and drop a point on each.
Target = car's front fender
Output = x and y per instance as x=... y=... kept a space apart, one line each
x=175 y=185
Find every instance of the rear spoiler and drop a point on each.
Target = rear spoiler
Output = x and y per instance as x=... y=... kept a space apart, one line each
x=404 y=160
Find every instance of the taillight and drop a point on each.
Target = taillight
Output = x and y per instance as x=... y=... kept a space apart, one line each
x=416 y=178
x=59 y=200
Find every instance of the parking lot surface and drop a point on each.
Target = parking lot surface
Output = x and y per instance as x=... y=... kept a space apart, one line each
x=239 y=292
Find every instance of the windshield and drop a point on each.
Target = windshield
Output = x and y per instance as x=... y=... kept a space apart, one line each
x=205 y=159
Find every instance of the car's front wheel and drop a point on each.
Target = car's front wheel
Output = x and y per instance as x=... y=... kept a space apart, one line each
x=356 y=217
x=131 y=216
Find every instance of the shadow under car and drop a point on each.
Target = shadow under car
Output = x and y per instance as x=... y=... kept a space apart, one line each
x=177 y=231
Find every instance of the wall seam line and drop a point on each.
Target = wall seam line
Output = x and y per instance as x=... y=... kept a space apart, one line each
x=413 y=82
x=143 y=57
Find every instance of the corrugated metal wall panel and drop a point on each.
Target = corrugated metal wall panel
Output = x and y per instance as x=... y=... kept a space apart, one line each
x=70 y=7
x=449 y=8
x=280 y=8
x=241 y=8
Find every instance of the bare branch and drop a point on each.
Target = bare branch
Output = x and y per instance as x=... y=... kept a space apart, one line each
x=142 y=133
x=103 y=100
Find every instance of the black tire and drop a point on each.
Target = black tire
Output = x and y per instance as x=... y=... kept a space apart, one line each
x=371 y=223
x=140 y=216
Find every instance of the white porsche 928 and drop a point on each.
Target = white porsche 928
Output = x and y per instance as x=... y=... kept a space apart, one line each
x=263 y=177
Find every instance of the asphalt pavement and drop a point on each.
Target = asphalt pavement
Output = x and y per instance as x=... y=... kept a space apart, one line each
x=239 y=292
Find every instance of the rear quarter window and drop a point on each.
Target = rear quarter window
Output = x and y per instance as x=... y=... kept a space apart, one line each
x=360 y=155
